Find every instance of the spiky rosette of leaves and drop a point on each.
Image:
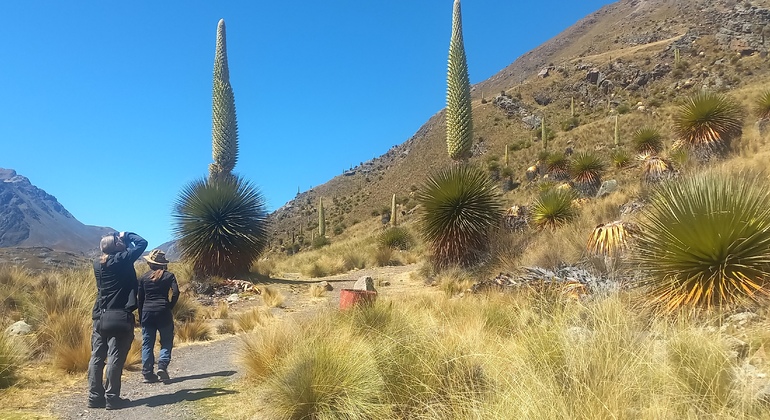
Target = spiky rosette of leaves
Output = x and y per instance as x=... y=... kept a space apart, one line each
x=459 y=120
x=647 y=141
x=224 y=131
x=557 y=165
x=221 y=226
x=460 y=205
x=586 y=170
x=620 y=158
x=656 y=169
x=553 y=208
x=762 y=105
x=705 y=241
x=611 y=238
x=706 y=122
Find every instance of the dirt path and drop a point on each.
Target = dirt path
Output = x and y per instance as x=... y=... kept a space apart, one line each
x=207 y=370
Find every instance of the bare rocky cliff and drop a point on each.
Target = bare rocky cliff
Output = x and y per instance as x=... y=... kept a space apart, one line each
x=30 y=217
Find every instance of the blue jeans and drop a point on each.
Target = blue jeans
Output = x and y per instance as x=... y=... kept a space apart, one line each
x=153 y=324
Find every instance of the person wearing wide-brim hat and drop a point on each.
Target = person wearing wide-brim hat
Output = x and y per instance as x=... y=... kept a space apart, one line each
x=155 y=315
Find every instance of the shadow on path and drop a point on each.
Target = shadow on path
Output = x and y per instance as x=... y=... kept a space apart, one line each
x=194 y=394
x=200 y=376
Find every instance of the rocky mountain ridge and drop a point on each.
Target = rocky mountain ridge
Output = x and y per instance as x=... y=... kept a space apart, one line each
x=637 y=55
x=30 y=217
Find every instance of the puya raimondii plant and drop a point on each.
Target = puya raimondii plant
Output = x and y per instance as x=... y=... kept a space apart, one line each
x=459 y=121
x=221 y=221
x=224 y=130
x=705 y=241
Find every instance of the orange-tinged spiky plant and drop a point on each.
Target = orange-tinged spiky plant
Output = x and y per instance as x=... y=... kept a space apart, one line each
x=611 y=238
x=705 y=241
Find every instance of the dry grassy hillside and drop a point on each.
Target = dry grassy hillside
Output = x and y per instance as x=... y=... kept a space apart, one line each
x=619 y=61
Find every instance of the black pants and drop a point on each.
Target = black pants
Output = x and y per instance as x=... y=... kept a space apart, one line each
x=113 y=350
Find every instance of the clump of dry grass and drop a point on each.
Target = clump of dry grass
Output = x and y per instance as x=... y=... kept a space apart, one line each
x=432 y=357
x=186 y=308
x=227 y=326
x=454 y=281
x=272 y=297
x=316 y=290
x=11 y=359
x=247 y=321
x=260 y=352
x=193 y=330
x=69 y=336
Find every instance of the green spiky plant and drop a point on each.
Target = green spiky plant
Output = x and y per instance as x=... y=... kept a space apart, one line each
x=459 y=120
x=706 y=123
x=647 y=141
x=221 y=226
x=460 y=205
x=553 y=208
x=557 y=165
x=586 y=170
x=321 y=218
x=705 y=241
x=762 y=105
x=224 y=130
x=221 y=222
x=620 y=158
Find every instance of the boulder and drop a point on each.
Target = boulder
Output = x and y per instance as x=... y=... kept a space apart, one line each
x=19 y=328
x=365 y=283
x=326 y=286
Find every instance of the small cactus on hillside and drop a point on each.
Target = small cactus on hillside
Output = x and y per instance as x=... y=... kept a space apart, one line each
x=459 y=121
x=393 y=214
x=321 y=218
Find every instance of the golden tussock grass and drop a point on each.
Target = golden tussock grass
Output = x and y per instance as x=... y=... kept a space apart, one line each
x=497 y=356
x=247 y=321
x=226 y=326
x=193 y=330
x=272 y=297
x=186 y=308
x=317 y=291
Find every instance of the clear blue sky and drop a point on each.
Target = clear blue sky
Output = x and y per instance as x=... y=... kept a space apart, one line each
x=107 y=105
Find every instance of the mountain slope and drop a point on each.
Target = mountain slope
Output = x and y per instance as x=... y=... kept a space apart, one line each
x=621 y=58
x=30 y=217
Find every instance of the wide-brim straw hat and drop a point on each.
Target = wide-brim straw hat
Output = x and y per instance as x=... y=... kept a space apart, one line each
x=157 y=257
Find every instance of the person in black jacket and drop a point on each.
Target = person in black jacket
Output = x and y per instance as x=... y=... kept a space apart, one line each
x=116 y=296
x=155 y=315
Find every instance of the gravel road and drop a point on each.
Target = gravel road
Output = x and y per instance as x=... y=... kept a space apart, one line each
x=193 y=370
x=207 y=370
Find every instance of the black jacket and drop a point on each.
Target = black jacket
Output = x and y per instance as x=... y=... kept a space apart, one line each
x=116 y=278
x=153 y=295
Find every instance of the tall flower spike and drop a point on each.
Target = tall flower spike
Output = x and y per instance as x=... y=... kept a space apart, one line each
x=459 y=121
x=224 y=131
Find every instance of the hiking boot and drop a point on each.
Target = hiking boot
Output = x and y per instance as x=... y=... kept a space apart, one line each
x=97 y=403
x=117 y=403
x=163 y=375
x=150 y=378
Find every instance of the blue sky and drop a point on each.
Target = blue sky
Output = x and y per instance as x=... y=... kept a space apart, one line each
x=107 y=105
